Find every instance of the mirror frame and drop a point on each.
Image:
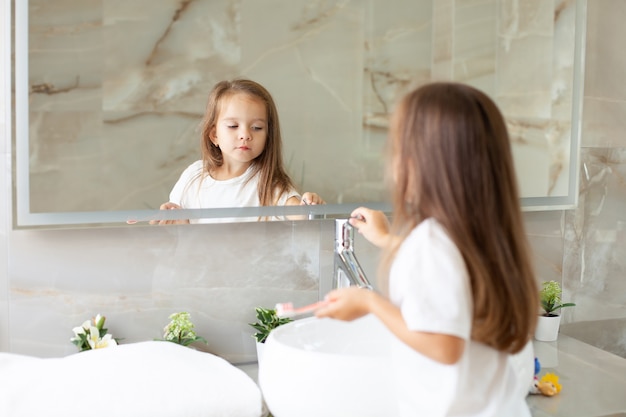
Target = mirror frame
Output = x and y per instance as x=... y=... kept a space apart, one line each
x=23 y=218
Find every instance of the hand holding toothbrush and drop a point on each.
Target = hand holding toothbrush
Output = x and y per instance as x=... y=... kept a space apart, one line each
x=347 y=303
x=288 y=310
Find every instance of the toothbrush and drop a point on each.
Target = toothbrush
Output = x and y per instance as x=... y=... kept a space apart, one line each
x=287 y=309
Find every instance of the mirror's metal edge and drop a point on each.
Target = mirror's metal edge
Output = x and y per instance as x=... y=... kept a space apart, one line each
x=22 y=177
x=578 y=91
x=327 y=211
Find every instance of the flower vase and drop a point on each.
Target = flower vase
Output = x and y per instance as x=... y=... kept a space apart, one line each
x=547 y=328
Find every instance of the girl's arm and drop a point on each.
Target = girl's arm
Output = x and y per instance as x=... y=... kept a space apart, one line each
x=352 y=303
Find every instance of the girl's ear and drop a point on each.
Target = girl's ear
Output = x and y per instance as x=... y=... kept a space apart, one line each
x=213 y=135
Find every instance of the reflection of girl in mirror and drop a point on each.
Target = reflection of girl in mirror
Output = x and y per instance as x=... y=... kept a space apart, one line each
x=458 y=272
x=242 y=163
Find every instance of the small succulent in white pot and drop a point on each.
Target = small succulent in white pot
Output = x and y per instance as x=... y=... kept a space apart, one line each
x=550 y=320
x=550 y=295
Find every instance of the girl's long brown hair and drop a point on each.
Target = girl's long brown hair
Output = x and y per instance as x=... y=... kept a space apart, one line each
x=273 y=178
x=451 y=160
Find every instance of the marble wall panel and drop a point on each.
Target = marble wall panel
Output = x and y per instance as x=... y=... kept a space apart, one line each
x=594 y=269
x=594 y=261
x=443 y=39
x=137 y=277
x=605 y=90
x=537 y=99
x=545 y=236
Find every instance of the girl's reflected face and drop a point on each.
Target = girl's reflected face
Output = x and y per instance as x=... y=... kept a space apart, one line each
x=241 y=128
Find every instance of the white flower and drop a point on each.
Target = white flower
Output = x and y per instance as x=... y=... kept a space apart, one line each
x=98 y=321
x=96 y=342
x=94 y=337
x=78 y=330
x=106 y=341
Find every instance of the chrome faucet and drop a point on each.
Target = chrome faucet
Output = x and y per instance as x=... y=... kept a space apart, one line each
x=347 y=270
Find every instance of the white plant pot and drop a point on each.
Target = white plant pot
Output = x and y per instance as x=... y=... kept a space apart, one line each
x=547 y=328
x=259 y=352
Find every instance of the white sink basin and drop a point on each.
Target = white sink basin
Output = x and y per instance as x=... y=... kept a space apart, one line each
x=324 y=367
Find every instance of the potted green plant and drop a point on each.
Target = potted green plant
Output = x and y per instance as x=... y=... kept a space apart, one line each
x=180 y=330
x=550 y=319
x=267 y=320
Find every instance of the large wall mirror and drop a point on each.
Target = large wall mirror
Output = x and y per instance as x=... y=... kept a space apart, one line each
x=109 y=94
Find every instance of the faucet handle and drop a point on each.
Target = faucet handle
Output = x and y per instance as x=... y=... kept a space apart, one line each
x=345 y=260
x=344 y=233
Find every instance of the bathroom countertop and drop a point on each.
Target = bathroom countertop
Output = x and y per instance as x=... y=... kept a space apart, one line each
x=593 y=381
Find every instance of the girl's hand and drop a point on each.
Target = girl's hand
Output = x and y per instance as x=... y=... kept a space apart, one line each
x=311 y=199
x=346 y=304
x=169 y=206
x=372 y=224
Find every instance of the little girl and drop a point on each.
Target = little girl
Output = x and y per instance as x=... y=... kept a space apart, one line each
x=242 y=163
x=462 y=294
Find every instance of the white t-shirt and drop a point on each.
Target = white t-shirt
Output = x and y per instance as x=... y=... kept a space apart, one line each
x=430 y=283
x=196 y=190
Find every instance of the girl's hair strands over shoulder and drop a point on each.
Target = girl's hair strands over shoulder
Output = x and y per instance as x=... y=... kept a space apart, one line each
x=451 y=160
